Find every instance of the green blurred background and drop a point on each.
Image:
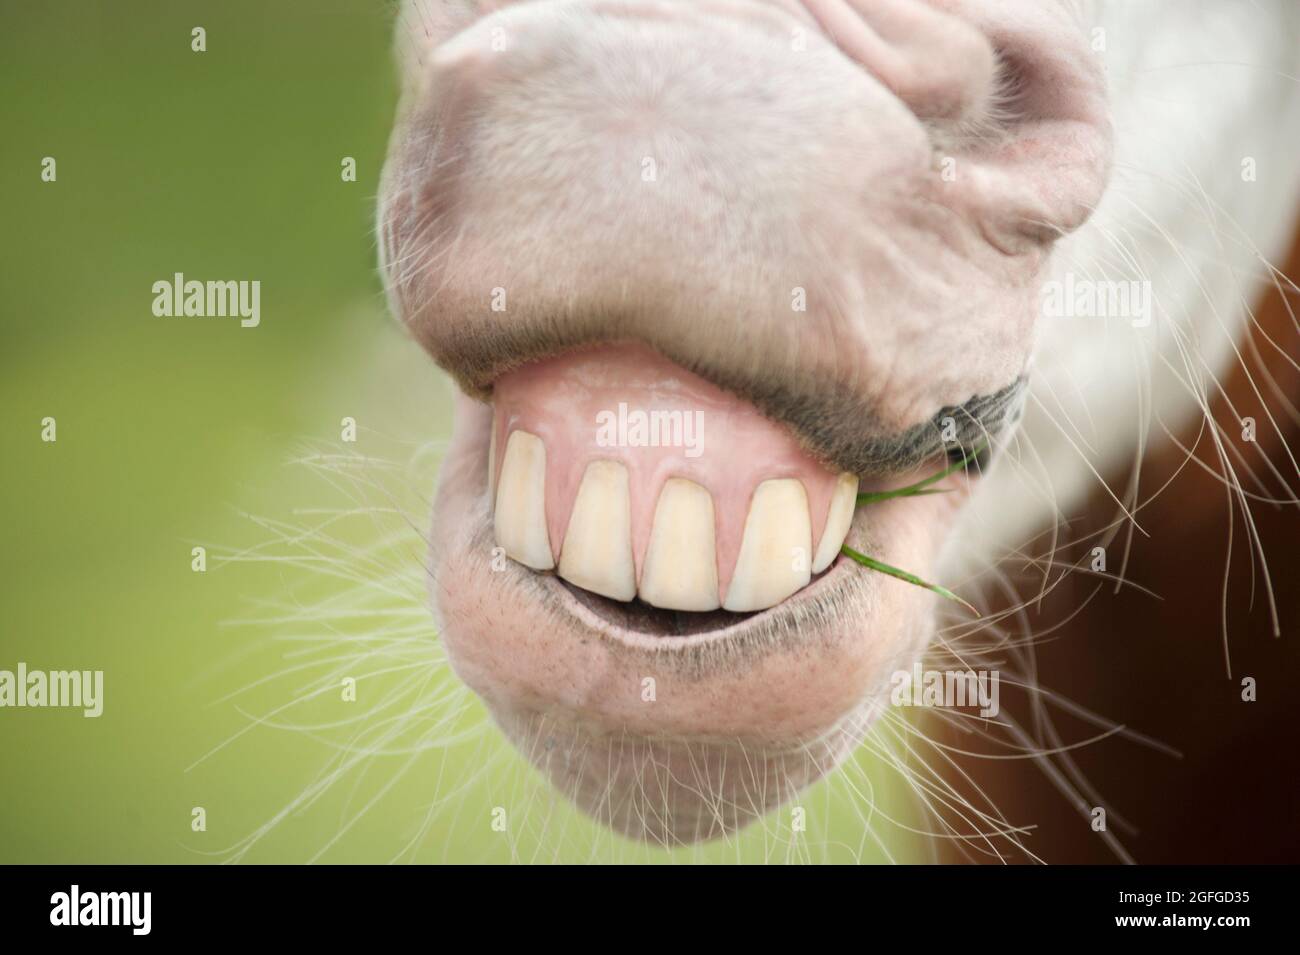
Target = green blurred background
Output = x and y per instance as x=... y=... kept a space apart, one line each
x=221 y=688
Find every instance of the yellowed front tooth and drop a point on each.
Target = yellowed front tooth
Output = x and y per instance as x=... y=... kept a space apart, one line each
x=844 y=501
x=520 y=518
x=597 y=550
x=681 y=563
x=492 y=458
x=773 y=561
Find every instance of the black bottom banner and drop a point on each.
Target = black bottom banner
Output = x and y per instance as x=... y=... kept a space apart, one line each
x=336 y=904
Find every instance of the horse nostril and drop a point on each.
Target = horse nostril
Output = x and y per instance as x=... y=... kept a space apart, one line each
x=941 y=66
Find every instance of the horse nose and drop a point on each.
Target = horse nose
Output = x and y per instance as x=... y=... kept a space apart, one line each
x=637 y=168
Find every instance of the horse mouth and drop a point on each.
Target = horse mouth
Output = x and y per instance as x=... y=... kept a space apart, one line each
x=658 y=498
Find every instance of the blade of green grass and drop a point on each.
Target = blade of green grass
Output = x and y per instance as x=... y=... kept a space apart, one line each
x=873 y=564
x=913 y=490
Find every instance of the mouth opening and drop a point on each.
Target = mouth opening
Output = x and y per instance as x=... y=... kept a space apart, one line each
x=642 y=619
x=639 y=617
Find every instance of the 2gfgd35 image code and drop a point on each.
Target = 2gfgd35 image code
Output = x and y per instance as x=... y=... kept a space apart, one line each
x=651 y=431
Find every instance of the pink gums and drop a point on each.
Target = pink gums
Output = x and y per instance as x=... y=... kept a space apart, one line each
x=559 y=399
